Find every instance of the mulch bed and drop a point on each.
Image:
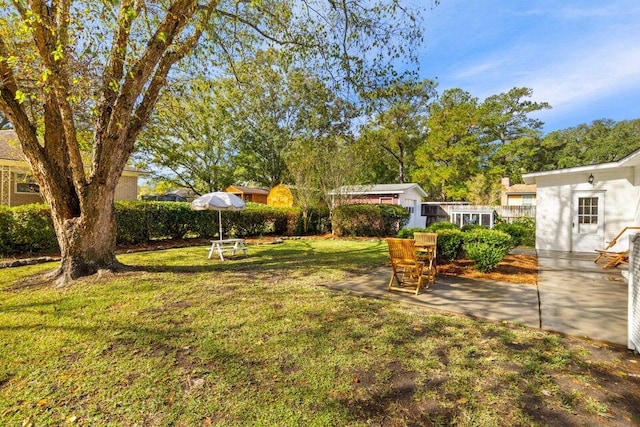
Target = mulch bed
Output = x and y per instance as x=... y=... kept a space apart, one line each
x=514 y=268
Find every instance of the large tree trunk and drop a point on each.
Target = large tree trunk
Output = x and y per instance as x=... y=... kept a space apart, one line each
x=87 y=242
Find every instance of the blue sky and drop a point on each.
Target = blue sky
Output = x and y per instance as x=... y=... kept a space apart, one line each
x=581 y=56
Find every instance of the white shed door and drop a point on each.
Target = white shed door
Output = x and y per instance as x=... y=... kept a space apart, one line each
x=588 y=221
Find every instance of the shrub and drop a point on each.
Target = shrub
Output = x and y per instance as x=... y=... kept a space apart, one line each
x=486 y=257
x=29 y=229
x=132 y=223
x=316 y=221
x=407 y=233
x=6 y=225
x=450 y=244
x=441 y=225
x=168 y=219
x=368 y=220
x=521 y=230
x=33 y=230
x=471 y=227
x=486 y=247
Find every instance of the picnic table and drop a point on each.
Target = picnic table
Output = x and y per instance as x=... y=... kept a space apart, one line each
x=227 y=245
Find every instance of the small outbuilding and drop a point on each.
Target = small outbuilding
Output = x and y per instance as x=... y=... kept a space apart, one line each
x=280 y=196
x=407 y=195
x=581 y=209
x=249 y=194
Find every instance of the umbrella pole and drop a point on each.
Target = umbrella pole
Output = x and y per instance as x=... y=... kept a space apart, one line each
x=220 y=224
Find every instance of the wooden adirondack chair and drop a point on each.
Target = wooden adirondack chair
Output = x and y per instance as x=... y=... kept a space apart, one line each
x=615 y=258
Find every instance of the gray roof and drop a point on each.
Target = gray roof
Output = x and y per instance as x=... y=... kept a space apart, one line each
x=378 y=189
x=10 y=146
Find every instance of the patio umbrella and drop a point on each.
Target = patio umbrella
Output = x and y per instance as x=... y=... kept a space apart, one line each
x=218 y=201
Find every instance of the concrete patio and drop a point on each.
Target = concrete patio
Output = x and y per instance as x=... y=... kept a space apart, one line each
x=573 y=296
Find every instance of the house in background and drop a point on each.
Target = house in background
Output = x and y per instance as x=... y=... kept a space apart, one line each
x=408 y=196
x=17 y=186
x=249 y=194
x=517 y=194
x=581 y=209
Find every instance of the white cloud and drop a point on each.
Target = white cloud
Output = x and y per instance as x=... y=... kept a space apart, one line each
x=582 y=59
x=587 y=74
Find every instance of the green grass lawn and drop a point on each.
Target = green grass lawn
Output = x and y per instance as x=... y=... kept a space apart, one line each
x=186 y=341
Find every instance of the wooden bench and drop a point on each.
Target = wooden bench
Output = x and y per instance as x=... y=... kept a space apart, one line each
x=227 y=245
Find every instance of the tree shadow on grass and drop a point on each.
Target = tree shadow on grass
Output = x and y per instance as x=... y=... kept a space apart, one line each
x=276 y=259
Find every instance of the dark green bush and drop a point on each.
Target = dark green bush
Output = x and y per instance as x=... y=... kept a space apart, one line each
x=132 y=223
x=486 y=247
x=168 y=220
x=32 y=230
x=375 y=220
x=316 y=221
x=257 y=219
x=450 y=244
x=441 y=225
x=486 y=257
x=471 y=227
x=28 y=229
x=521 y=230
x=407 y=233
x=6 y=225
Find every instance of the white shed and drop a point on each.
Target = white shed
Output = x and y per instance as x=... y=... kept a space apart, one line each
x=407 y=195
x=581 y=209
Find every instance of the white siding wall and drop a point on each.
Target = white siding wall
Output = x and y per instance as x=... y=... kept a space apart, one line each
x=412 y=198
x=554 y=215
x=620 y=206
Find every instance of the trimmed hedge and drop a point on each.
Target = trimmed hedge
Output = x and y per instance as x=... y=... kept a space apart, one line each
x=29 y=229
x=6 y=223
x=369 y=220
x=521 y=230
x=487 y=248
x=450 y=244
x=441 y=225
x=407 y=233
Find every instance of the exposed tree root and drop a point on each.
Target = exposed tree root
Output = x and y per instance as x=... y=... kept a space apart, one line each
x=60 y=278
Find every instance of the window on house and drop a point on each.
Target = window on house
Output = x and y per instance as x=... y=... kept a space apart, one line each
x=26 y=184
x=527 y=200
x=587 y=210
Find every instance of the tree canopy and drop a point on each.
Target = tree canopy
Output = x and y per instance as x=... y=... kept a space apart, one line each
x=97 y=68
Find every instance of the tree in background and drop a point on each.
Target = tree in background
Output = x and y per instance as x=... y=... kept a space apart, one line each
x=398 y=122
x=131 y=58
x=452 y=152
x=321 y=156
x=187 y=141
x=265 y=110
x=470 y=145
x=601 y=141
x=510 y=132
